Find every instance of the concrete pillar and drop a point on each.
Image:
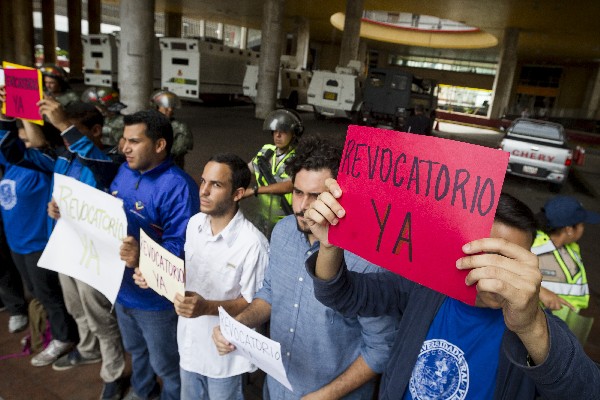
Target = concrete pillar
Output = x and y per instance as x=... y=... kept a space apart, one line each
x=591 y=104
x=21 y=25
x=136 y=53
x=202 y=28
x=362 y=54
x=94 y=16
x=220 y=33
x=75 y=46
x=351 y=34
x=302 y=41
x=270 y=52
x=503 y=82
x=172 y=24
x=243 y=38
x=48 y=31
x=7 y=39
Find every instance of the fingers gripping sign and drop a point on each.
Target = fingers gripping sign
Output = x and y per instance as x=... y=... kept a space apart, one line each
x=223 y=345
x=130 y=252
x=191 y=305
x=506 y=276
x=139 y=280
x=325 y=211
x=53 y=211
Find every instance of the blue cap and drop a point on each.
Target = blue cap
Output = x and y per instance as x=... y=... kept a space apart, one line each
x=564 y=211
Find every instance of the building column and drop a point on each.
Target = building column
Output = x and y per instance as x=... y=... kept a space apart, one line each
x=136 y=53
x=48 y=32
x=351 y=33
x=21 y=25
x=173 y=24
x=507 y=66
x=202 y=28
x=220 y=33
x=591 y=104
x=270 y=53
x=75 y=46
x=302 y=41
x=94 y=16
x=7 y=42
x=243 y=38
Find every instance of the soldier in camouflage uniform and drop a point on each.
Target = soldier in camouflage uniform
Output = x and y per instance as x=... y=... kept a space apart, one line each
x=166 y=102
x=56 y=85
x=107 y=102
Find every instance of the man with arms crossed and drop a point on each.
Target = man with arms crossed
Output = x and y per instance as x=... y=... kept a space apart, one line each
x=326 y=356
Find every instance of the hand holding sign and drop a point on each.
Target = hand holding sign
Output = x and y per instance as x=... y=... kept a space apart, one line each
x=191 y=305
x=54 y=112
x=130 y=252
x=412 y=201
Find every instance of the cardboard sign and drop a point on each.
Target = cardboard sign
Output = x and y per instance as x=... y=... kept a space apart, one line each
x=24 y=89
x=162 y=270
x=86 y=240
x=260 y=350
x=413 y=201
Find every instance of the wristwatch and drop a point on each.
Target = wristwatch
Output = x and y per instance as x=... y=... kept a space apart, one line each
x=255 y=189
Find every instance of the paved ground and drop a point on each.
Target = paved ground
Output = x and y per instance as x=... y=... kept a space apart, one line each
x=235 y=129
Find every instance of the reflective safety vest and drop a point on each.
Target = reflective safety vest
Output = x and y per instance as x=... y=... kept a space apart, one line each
x=277 y=168
x=575 y=287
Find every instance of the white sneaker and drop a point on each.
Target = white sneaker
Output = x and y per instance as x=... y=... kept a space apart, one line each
x=17 y=323
x=55 y=349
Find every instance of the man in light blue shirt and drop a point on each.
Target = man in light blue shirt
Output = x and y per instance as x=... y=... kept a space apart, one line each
x=325 y=355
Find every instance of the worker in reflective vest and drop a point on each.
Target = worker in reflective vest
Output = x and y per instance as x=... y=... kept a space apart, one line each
x=273 y=186
x=563 y=219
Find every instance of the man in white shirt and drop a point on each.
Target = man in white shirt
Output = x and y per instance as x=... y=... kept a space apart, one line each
x=225 y=260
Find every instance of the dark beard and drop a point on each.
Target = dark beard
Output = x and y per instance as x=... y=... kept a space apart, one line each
x=305 y=230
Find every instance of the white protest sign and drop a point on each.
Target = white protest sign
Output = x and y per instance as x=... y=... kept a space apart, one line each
x=162 y=269
x=86 y=240
x=260 y=350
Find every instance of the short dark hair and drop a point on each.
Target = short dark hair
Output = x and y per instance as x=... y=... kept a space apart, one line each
x=314 y=153
x=84 y=113
x=516 y=214
x=157 y=125
x=240 y=173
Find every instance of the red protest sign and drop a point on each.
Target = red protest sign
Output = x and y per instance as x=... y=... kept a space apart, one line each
x=413 y=201
x=23 y=91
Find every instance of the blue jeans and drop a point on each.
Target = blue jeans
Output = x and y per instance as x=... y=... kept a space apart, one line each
x=199 y=387
x=151 y=339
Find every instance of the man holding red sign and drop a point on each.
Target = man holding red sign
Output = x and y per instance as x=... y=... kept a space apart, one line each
x=506 y=347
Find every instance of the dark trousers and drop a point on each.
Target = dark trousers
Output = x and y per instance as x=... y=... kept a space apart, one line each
x=45 y=287
x=11 y=286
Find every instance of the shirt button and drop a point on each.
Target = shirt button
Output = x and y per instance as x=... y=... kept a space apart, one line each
x=287 y=354
x=301 y=279
x=292 y=330
x=296 y=305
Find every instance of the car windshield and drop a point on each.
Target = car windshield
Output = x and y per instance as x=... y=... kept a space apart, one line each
x=537 y=130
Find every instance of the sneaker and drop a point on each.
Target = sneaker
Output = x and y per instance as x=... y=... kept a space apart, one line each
x=131 y=395
x=113 y=390
x=55 y=349
x=73 y=359
x=17 y=323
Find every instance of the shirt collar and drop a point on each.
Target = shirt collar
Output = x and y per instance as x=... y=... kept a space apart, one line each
x=229 y=233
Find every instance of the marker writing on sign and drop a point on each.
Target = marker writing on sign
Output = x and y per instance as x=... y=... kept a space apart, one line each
x=247 y=341
x=423 y=177
x=405 y=234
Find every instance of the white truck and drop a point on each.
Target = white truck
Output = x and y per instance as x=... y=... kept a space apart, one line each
x=538 y=150
x=100 y=60
x=337 y=94
x=199 y=69
x=292 y=86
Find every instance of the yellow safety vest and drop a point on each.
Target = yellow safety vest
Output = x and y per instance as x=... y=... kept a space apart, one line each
x=575 y=290
x=277 y=168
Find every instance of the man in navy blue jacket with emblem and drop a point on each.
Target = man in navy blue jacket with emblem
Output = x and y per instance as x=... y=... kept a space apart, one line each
x=159 y=198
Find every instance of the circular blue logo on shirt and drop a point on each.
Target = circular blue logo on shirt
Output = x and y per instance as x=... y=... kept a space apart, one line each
x=441 y=372
x=8 y=194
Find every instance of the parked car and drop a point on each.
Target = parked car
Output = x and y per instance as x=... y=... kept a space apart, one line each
x=538 y=150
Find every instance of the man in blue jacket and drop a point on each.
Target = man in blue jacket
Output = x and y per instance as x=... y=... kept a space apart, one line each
x=159 y=198
x=506 y=347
